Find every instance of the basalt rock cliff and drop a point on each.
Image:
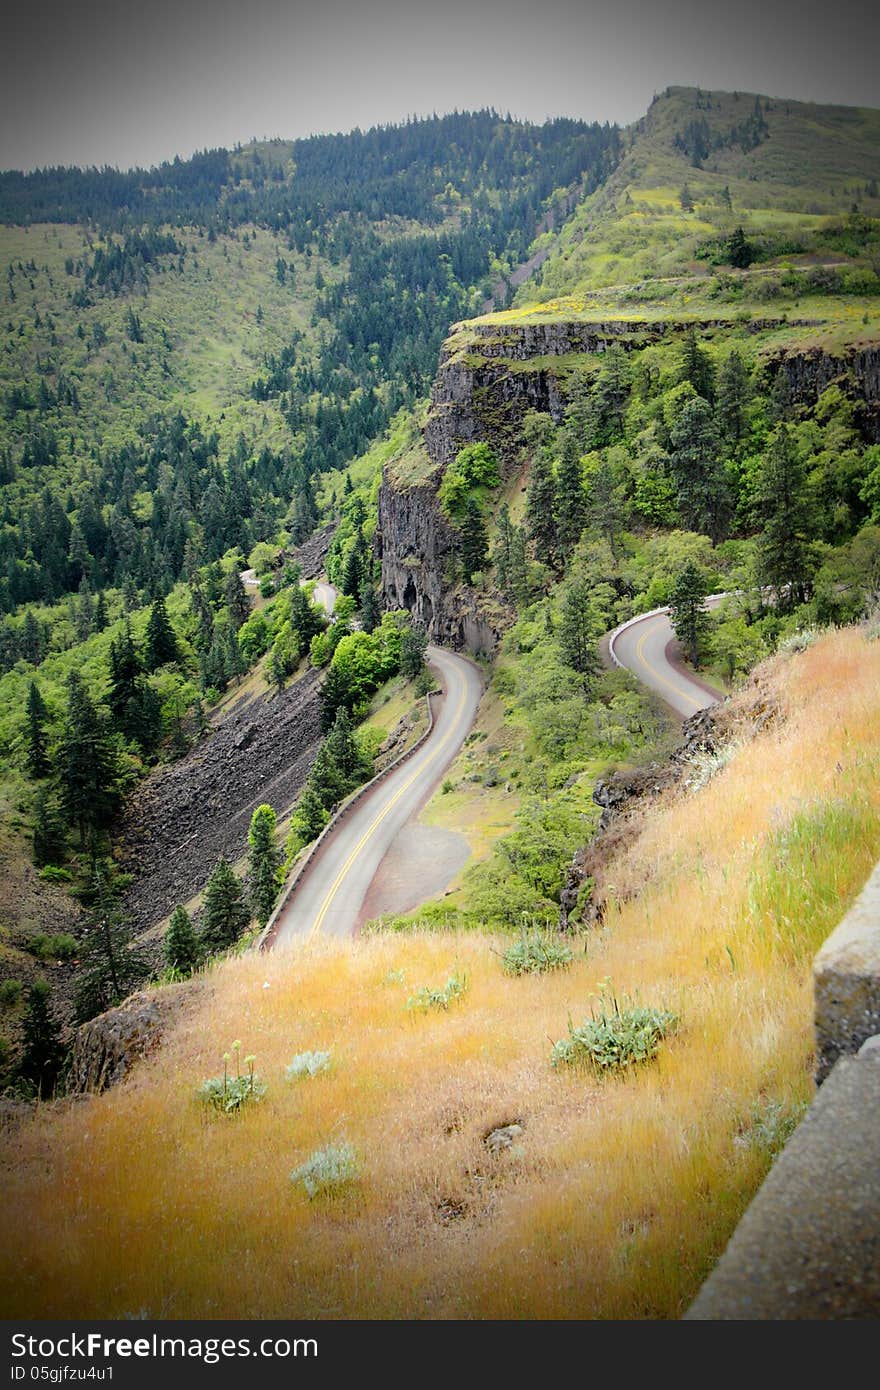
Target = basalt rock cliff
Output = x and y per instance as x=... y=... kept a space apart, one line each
x=489 y=377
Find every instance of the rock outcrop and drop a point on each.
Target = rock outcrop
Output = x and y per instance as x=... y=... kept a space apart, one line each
x=489 y=377
x=107 y=1047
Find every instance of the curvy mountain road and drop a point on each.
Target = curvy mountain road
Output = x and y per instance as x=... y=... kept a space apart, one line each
x=329 y=896
x=644 y=646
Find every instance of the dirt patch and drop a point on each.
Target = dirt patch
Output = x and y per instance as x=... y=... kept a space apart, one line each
x=185 y=816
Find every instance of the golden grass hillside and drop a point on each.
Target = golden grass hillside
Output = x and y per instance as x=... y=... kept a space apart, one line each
x=620 y=1193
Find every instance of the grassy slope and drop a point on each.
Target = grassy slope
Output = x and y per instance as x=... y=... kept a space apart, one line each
x=629 y=249
x=621 y=1194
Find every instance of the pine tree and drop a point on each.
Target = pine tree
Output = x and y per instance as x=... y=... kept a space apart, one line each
x=110 y=967
x=607 y=507
x=733 y=398
x=570 y=500
x=310 y=816
x=696 y=367
x=235 y=599
x=101 y=618
x=335 y=695
x=84 y=611
x=687 y=611
x=579 y=631
x=86 y=763
x=474 y=542
x=225 y=915
x=342 y=747
x=161 y=639
x=740 y=252
x=42 y=1050
x=541 y=508
x=37 y=756
x=696 y=464
x=786 y=557
x=264 y=863
x=370 y=611
x=181 y=944
x=49 y=835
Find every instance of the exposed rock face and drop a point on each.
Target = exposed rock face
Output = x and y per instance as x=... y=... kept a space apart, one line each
x=186 y=815
x=809 y=373
x=489 y=377
x=106 y=1048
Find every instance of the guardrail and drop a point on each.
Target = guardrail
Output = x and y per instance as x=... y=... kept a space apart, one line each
x=266 y=939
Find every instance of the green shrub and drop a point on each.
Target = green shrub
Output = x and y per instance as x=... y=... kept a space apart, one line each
x=614 y=1038
x=45 y=947
x=229 y=1094
x=536 y=952
x=327 y=1170
x=10 y=992
x=54 y=873
x=307 y=1064
x=429 y=997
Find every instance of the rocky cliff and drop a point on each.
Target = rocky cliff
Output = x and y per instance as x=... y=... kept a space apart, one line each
x=489 y=377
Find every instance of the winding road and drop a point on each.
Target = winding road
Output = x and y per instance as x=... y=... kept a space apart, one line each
x=645 y=646
x=328 y=898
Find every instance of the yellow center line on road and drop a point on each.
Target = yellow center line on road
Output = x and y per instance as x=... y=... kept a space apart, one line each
x=337 y=882
x=640 y=653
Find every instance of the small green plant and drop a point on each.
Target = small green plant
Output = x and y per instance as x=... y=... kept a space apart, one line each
x=430 y=997
x=45 y=947
x=10 y=992
x=307 y=1064
x=771 y=1126
x=536 y=952
x=614 y=1038
x=328 y=1170
x=448 y=786
x=229 y=1094
x=54 y=873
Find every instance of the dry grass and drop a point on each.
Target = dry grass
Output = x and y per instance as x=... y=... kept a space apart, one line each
x=621 y=1193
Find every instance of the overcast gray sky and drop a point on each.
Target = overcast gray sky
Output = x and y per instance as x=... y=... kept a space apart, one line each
x=133 y=82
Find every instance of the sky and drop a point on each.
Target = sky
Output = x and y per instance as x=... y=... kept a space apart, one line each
x=134 y=82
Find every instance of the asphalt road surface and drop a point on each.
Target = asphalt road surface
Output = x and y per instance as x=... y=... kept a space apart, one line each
x=329 y=897
x=645 y=648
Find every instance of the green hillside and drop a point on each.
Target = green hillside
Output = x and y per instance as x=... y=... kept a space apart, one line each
x=800 y=180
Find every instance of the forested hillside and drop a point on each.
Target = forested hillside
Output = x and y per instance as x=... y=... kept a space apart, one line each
x=190 y=358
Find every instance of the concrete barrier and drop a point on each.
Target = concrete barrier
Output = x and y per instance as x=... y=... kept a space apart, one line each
x=809 y=1244
x=846 y=981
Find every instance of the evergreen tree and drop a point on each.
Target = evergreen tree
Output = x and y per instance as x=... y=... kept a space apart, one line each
x=235 y=599
x=696 y=464
x=413 y=645
x=310 y=816
x=541 y=508
x=740 y=252
x=37 y=756
x=474 y=543
x=49 y=836
x=342 y=747
x=86 y=763
x=781 y=403
x=335 y=695
x=370 y=611
x=607 y=507
x=687 y=611
x=224 y=914
x=264 y=863
x=110 y=967
x=181 y=944
x=42 y=1050
x=161 y=640
x=786 y=558
x=579 y=631
x=101 y=618
x=570 y=499
x=84 y=611
x=696 y=367
x=733 y=398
